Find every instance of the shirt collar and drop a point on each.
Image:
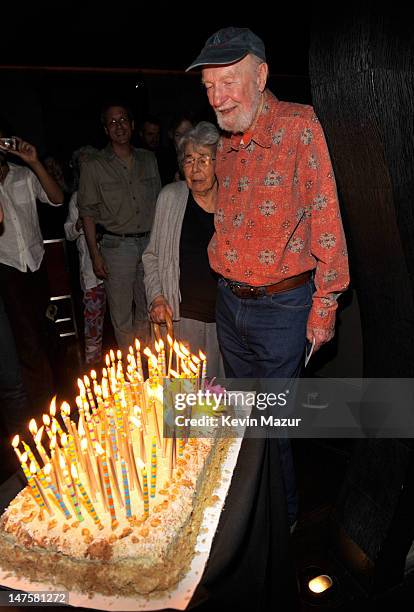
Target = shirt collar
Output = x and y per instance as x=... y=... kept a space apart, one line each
x=261 y=133
x=110 y=155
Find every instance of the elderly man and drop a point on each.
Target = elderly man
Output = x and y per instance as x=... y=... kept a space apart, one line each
x=279 y=246
x=118 y=190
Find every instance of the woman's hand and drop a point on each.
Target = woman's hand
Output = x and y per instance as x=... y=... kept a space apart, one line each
x=160 y=309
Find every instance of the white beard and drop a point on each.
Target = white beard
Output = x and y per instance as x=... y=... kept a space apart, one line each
x=242 y=120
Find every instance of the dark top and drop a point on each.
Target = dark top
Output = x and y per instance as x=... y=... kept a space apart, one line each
x=198 y=283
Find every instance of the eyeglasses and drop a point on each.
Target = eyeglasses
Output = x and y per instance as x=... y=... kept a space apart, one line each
x=203 y=161
x=122 y=121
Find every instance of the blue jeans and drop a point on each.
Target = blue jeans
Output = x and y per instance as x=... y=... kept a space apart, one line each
x=125 y=288
x=265 y=337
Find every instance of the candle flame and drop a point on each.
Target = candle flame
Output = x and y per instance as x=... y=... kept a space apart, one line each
x=62 y=461
x=47 y=469
x=23 y=457
x=174 y=374
x=74 y=471
x=99 y=448
x=140 y=463
x=93 y=374
x=38 y=436
x=147 y=352
x=184 y=349
x=161 y=345
x=135 y=421
x=157 y=346
x=84 y=444
x=112 y=355
x=137 y=344
x=195 y=359
x=15 y=441
x=52 y=408
x=193 y=367
x=46 y=420
x=119 y=355
x=81 y=386
x=65 y=408
x=32 y=467
x=169 y=340
x=54 y=427
x=202 y=356
x=86 y=381
x=52 y=443
x=154 y=361
x=33 y=427
x=64 y=439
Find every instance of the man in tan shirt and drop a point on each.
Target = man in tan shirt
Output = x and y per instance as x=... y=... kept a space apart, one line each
x=118 y=190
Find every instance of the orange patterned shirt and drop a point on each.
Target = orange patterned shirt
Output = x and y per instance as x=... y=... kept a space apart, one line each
x=277 y=211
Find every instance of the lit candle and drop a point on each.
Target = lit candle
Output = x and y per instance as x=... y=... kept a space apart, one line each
x=70 y=490
x=30 y=454
x=145 y=491
x=39 y=485
x=107 y=484
x=170 y=353
x=139 y=361
x=30 y=480
x=153 y=466
x=204 y=366
x=47 y=471
x=126 y=489
x=52 y=411
x=85 y=496
x=41 y=450
x=90 y=475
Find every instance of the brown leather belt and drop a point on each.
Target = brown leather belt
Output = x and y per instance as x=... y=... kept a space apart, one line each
x=248 y=291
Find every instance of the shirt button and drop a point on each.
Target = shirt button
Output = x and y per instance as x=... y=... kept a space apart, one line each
x=227 y=242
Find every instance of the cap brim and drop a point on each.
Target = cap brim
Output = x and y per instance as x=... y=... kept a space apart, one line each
x=217 y=57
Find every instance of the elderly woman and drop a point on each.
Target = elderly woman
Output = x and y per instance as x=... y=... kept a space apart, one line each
x=178 y=279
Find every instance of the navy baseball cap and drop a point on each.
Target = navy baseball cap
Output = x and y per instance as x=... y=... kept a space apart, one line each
x=229 y=45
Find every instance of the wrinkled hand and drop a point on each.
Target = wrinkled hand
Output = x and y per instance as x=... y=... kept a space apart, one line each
x=99 y=266
x=321 y=336
x=159 y=310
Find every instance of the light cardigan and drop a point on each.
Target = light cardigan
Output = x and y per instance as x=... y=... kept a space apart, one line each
x=161 y=258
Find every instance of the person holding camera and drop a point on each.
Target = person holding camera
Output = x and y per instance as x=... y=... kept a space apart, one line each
x=23 y=280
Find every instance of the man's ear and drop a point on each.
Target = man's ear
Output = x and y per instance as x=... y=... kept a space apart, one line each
x=262 y=72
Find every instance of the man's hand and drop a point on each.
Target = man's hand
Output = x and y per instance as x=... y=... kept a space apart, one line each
x=79 y=225
x=321 y=336
x=159 y=309
x=26 y=151
x=99 y=266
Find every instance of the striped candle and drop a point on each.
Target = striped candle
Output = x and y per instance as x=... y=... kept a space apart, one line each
x=107 y=484
x=31 y=481
x=145 y=491
x=85 y=496
x=30 y=454
x=126 y=489
x=42 y=485
x=153 y=466
x=47 y=469
x=70 y=490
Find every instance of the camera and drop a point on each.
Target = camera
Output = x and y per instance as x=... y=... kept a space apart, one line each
x=10 y=143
